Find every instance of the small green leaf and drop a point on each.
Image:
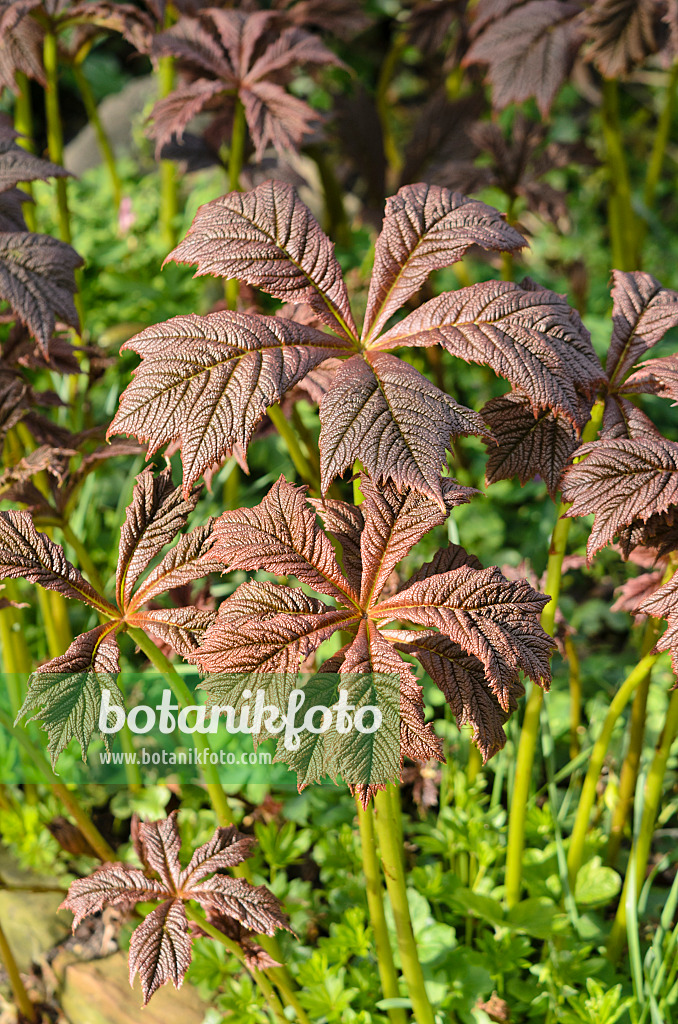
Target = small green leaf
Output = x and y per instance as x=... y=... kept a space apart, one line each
x=596 y=884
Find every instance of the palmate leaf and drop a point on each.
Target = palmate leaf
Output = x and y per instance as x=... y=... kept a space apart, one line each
x=529 y=336
x=621 y=34
x=663 y=604
x=527 y=445
x=37 y=280
x=66 y=693
x=269 y=238
x=26 y=553
x=529 y=48
x=642 y=313
x=425 y=228
x=17 y=164
x=385 y=413
x=198 y=381
x=160 y=947
x=243 y=54
x=622 y=481
x=264 y=631
x=207 y=381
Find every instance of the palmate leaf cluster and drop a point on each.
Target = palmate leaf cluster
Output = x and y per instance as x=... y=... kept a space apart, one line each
x=160 y=947
x=65 y=692
x=207 y=381
x=480 y=630
x=530 y=46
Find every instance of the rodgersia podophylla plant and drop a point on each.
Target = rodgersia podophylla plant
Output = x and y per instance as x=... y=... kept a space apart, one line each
x=160 y=947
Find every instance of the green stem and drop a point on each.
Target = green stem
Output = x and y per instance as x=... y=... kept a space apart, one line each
x=88 y=100
x=384 y=107
x=23 y=123
x=54 y=644
x=653 y=793
x=169 y=203
x=301 y=463
x=631 y=765
x=621 y=216
x=375 y=905
x=597 y=758
x=574 y=678
x=84 y=557
x=661 y=140
x=185 y=697
x=233 y=947
x=527 y=745
x=55 y=139
x=335 y=221
x=236 y=158
x=394 y=872
x=23 y=1003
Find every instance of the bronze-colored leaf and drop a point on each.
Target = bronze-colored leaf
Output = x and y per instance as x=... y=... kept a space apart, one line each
x=461 y=678
x=281 y=535
x=621 y=34
x=182 y=629
x=26 y=553
x=394 y=523
x=207 y=381
x=153 y=518
x=530 y=336
x=385 y=413
x=268 y=238
x=160 y=948
x=621 y=481
x=36 y=279
x=529 y=48
x=488 y=616
x=642 y=313
x=425 y=228
x=663 y=604
x=225 y=849
x=526 y=445
x=655 y=377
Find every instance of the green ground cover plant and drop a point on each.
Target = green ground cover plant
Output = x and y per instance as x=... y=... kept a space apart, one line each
x=350 y=370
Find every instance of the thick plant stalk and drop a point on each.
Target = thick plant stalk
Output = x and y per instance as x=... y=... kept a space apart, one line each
x=107 y=153
x=375 y=904
x=575 y=695
x=185 y=698
x=631 y=764
x=236 y=158
x=301 y=462
x=621 y=216
x=391 y=852
x=23 y=123
x=588 y=793
x=661 y=140
x=55 y=139
x=386 y=72
x=653 y=793
x=530 y=730
x=528 y=735
x=169 y=203
x=23 y=1003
